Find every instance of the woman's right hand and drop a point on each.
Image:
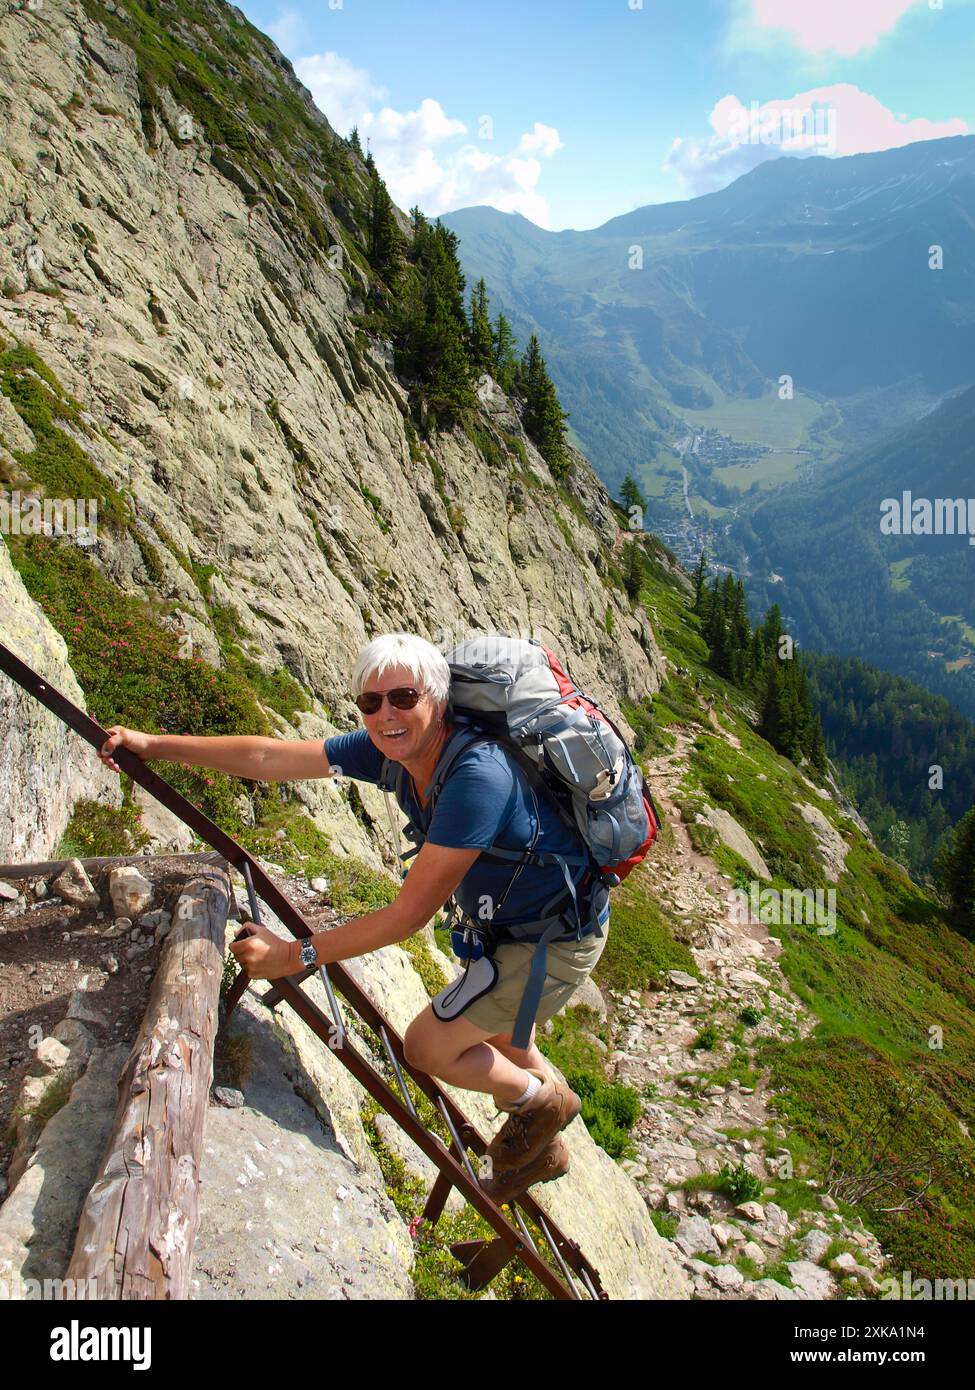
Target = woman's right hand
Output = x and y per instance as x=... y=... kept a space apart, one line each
x=120 y=737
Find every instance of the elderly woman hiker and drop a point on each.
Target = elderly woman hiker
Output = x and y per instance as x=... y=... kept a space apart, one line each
x=402 y=686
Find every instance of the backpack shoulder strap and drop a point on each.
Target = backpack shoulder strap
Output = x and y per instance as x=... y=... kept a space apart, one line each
x=392 y=777
x=460 y=740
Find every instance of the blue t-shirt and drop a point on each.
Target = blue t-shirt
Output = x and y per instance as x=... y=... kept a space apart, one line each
x=486 y=800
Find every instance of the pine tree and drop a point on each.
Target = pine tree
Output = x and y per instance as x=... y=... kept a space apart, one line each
x=432 y=330
x=740 y=634
x=955 y=868
x=630 y=494
x=818 y=755
x=772 y=629
x=700 y=583
x=715 y=630
x=354 y=142
x=481 y=338
x=505 y=356
x=635 y=570
x=772 y=724
x=385 y=241
x=543 y=416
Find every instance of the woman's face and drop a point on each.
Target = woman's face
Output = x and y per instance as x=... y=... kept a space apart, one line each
x=405 y=735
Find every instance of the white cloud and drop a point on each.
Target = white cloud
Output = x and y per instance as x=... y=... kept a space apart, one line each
x=287 y=29
x=843 y=27
x=340 y=90
x=418 y=152
x=544 y=138
x=840 y=119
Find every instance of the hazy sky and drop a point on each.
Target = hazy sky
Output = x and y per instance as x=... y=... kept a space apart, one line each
x=573 y=111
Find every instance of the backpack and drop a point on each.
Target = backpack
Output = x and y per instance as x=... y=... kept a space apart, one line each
x=515 y=691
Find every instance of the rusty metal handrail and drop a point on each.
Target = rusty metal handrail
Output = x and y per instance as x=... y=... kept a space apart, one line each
x=484 y=1258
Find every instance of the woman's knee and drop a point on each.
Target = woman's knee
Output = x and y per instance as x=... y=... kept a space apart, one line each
x=417 y=1044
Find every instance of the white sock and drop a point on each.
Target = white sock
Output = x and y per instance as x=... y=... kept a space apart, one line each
x=533 y=1085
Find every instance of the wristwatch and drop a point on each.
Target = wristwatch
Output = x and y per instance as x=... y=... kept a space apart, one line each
x=307 y=954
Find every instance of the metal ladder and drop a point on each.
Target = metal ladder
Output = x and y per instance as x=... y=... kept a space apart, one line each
x=568 y=1274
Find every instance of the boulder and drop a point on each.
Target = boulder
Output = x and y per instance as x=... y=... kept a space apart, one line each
x=736 y=838
x=75 y=887
x=131 y=892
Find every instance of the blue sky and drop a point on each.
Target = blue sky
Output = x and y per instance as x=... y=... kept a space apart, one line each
x=574 y=111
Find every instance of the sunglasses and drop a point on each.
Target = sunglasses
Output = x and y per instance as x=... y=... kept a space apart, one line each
x=403 y=697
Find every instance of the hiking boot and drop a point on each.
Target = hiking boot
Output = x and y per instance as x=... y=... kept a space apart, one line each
x=534 y=1124
x=551 y=1163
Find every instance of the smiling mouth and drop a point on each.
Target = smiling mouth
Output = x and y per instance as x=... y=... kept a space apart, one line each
x=394 y=733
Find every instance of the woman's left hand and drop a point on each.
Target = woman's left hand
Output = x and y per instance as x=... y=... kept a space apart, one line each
x=262 y=954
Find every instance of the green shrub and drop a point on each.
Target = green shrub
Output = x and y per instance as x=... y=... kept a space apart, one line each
x=609 y=1111
x=57 y=462
x=96 y=830
x=707 y=1039
x=354 y=888
x=129 y=667
x=739 y=1184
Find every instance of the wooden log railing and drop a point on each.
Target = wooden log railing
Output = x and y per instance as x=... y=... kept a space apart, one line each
x=137 y=1228
x=55 y=866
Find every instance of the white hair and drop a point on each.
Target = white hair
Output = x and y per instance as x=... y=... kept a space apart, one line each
x=427 y=666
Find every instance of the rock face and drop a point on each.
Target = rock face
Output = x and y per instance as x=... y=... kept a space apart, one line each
x=732 y=835
x=39 y=1220
x=45 y=768
x=830 y=845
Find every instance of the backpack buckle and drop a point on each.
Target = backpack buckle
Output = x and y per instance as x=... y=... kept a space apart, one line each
x=470 y=942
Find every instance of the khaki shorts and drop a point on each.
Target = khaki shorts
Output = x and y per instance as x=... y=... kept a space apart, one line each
x=495 y=1007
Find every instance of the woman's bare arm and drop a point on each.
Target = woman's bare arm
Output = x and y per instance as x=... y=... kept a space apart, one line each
x=253 y=756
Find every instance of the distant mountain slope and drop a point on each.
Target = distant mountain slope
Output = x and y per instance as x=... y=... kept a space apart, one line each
x=904 y=603
x=816 y=268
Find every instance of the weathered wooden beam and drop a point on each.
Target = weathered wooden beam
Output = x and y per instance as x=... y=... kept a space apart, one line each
x=54 y=866
x=138 y=1224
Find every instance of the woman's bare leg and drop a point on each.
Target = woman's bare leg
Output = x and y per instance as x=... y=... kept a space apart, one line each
x=522 y=1056
x=461 y=1054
